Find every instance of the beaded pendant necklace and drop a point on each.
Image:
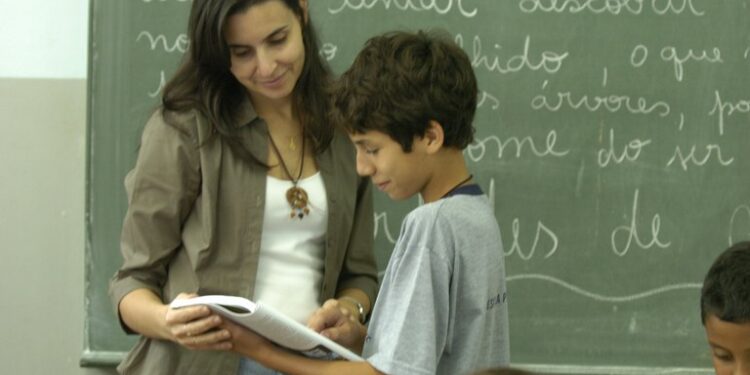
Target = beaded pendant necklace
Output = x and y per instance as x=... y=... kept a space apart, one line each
x=296 y=196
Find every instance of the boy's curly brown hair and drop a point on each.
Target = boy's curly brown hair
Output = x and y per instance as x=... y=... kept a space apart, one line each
x=401 y=81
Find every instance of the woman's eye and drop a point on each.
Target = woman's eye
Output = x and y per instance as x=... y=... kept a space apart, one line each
x=371 y=151
x=241 y=52
x=278 y=41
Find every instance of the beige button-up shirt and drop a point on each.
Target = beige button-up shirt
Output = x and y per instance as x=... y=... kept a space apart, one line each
x=194 y=224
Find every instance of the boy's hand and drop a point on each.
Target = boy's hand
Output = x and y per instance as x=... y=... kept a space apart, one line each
x=337 y=323
x=246 y=342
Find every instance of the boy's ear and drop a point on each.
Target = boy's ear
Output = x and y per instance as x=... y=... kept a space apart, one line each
x=434 y=137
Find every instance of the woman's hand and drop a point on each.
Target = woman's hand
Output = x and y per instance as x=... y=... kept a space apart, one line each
x=336 y=322
x=196 y=327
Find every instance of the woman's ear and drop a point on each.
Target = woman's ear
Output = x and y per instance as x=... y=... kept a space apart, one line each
x=434 y=136
x=303 y=5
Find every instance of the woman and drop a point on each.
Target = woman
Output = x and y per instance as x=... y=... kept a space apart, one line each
x=241 y=187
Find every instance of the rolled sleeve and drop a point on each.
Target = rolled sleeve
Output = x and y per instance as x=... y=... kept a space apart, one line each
x=161 y=190
x=359 y=269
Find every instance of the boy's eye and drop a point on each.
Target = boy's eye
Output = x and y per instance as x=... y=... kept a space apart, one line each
x=371 y=151
x=723 y=356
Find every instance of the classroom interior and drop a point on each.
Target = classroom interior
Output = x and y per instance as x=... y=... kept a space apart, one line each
x=43 y=83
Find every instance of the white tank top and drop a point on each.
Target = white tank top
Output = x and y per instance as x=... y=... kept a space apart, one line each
x=290 y=268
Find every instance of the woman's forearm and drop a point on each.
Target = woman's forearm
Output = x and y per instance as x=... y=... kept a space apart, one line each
x=143 y=312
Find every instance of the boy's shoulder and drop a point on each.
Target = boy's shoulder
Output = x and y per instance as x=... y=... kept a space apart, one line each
x=456 y=207
x=467 y=213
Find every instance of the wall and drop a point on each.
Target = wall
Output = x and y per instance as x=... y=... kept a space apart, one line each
x=42 y=168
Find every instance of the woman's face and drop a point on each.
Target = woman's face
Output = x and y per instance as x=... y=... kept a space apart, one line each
x=266 y=50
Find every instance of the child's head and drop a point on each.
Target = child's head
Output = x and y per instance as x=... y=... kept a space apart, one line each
x=725 y=310
x=408 y=103
x=401 y=81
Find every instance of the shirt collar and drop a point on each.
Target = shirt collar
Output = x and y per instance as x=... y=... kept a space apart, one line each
x=247 y=113
x=471 y=189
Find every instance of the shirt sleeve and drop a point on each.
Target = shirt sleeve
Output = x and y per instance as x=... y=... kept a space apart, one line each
x=359 y=270
x=161 y=190
x=409 y=330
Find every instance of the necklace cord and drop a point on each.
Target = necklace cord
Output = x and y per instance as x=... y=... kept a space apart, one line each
x=283 y=165
x=467 y=179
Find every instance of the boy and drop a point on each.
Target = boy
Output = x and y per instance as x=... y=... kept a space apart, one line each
x=408 y=102
x=725 y=310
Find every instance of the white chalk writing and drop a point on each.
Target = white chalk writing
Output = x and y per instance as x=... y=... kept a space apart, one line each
x=631 y=151
x=638 y=55
x=602 y=297
x=670 y=53
x=180 y=43
x=162 y=82
x=631 y=232
x=610 y=103
x=439 y=7
x=682 y=122
x=548 y=61
x=742 y=210
x=541 y=231
x=381 y=220
x=614 y=7
x=691 y=157
x=721 y=107
x=476 y=150
x=328 y=51
x=484 y=96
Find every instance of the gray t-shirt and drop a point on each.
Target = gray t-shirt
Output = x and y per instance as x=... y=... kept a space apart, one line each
x=442 y=304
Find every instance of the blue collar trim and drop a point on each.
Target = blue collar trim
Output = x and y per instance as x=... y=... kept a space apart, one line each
x=471 y=189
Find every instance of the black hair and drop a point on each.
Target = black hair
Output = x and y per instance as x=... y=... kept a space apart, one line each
x=726 y=288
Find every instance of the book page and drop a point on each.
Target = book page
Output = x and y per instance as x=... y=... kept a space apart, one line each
x=290 y=333
x=272 y=325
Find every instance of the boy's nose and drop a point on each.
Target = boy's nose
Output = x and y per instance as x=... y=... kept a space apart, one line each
x=364 y=168
x=742 y=368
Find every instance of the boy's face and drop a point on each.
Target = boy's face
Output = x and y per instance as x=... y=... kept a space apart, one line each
x=730 y=346
x=393 y=171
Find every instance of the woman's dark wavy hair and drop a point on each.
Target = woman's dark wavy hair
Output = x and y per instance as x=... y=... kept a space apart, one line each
x=205 y=83
x=726 y=288
x=401 y=81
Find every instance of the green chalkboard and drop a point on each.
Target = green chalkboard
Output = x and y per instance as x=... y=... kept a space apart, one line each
x=611 y=137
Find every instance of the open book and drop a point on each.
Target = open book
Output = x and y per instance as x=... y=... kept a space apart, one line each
x=271 y=324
